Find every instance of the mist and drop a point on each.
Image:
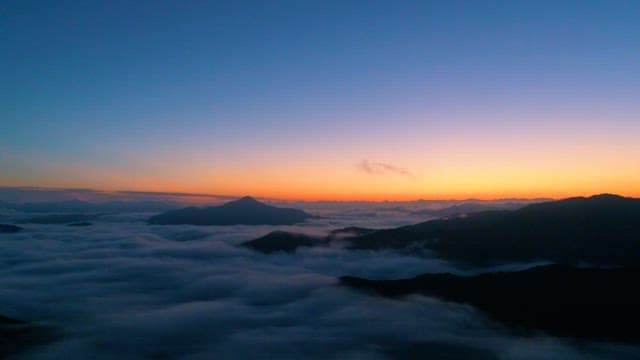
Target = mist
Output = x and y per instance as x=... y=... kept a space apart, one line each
x=124 y=289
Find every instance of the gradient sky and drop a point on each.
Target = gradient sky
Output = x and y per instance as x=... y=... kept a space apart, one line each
x=322 y=100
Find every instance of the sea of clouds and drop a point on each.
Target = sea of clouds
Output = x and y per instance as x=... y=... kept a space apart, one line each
x=127 y=290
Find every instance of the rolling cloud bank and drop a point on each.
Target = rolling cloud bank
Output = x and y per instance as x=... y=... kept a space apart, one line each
x=123 y=289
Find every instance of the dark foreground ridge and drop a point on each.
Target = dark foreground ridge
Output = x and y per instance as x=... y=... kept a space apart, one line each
x=561 y=300
x=245 y=211
x=9 y=229
x=602 y=229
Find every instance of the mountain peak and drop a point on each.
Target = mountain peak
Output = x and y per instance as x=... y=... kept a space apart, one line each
x=245 y=200
x=245 y=211
x=607 y=196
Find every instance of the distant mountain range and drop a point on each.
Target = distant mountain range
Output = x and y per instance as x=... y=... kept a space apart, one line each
x=564 y=301
x=78 y=206
x=602 y=229
x=245 y=211
x=466 y=208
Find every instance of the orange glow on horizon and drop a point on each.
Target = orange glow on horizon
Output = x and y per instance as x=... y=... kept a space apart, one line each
x=473 y=168
x=202 y=196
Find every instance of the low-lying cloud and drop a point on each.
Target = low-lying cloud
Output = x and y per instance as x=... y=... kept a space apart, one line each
x=130 y=291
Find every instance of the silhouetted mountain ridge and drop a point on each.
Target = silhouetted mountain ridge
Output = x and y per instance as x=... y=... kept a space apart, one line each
x=467 y=208
x=244 y=211
x=282 y=241
x=289 y=242
x=602 y=229
x=562 y=300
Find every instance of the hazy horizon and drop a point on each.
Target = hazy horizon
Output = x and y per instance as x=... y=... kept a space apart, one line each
x=86 y=194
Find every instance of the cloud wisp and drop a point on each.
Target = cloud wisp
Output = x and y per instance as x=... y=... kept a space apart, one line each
x=380 y=168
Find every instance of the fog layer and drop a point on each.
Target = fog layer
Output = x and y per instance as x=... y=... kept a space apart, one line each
x=123 y=289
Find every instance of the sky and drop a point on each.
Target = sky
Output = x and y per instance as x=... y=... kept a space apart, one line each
x=345 y=100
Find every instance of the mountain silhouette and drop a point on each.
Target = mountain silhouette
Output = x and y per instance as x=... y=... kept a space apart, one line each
x=562 y=300
x=289 y=242
x=468 y=208
x=9 y=229
x=79 y=206
x=244 y=211
x=602 y=229
x=281 y=241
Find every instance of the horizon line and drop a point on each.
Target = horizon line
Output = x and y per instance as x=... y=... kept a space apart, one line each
x=276 y=199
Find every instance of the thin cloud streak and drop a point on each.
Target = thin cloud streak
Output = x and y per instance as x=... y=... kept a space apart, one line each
x=380 y=168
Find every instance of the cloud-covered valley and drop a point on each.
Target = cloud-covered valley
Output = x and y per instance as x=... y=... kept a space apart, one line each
x=123 y=289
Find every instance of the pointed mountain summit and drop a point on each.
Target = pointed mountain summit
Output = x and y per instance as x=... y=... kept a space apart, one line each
x=244 y=211
x=246 y=201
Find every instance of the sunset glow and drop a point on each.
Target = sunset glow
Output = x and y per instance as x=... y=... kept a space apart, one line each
x=445 y=102
x=333 y=179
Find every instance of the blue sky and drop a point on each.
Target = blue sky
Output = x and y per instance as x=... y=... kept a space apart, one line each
x=141 y=90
